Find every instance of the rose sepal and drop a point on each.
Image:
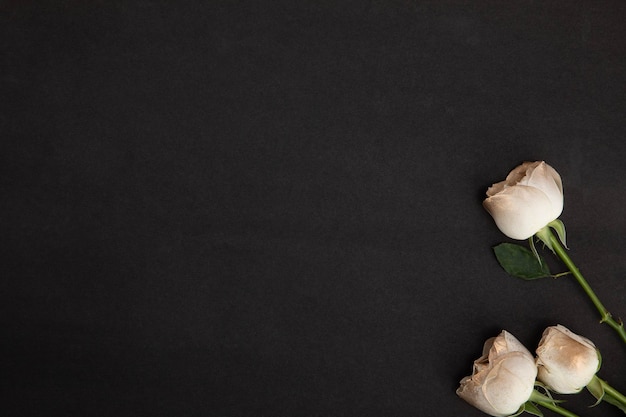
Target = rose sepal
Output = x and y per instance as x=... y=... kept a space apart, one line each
x=596 y=389
x=544 y=234
x=602 y=391
x=559 y=227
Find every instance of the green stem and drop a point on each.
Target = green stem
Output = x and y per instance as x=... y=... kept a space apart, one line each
x=613 y=396
x=613 y=392
x=562 y=411
x=602 y=391
x=607 y=318
x=544 y=401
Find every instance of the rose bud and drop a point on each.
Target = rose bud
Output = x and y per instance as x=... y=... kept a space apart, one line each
x=566 y=361
x=503 y=377
x=529 y=199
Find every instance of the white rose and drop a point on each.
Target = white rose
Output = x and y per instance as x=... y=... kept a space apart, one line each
x=529 y=199
x=566 y=361
x=503 y=377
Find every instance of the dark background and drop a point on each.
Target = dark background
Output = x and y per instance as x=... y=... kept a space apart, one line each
x=230 y=208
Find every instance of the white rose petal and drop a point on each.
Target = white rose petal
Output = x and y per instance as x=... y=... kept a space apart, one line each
x=529 y=199
x=503 y=378
x=566 y=361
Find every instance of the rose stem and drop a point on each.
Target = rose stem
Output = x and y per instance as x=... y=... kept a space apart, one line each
x=562 y=411
x=606 y=316
x=613 y=392
x=540 y=399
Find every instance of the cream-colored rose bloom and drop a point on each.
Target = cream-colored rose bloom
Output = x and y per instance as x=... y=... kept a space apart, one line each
x=528 y=199
x=503 y=377
x=566 y=361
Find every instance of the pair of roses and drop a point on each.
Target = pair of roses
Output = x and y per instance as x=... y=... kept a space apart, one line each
x=504 y=377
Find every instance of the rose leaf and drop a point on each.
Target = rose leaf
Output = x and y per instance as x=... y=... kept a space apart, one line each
x=521 y=262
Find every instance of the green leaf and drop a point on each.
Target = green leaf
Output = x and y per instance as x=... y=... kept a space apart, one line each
x=521 y=262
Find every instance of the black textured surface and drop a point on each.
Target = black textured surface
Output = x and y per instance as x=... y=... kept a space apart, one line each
x=274 y=208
